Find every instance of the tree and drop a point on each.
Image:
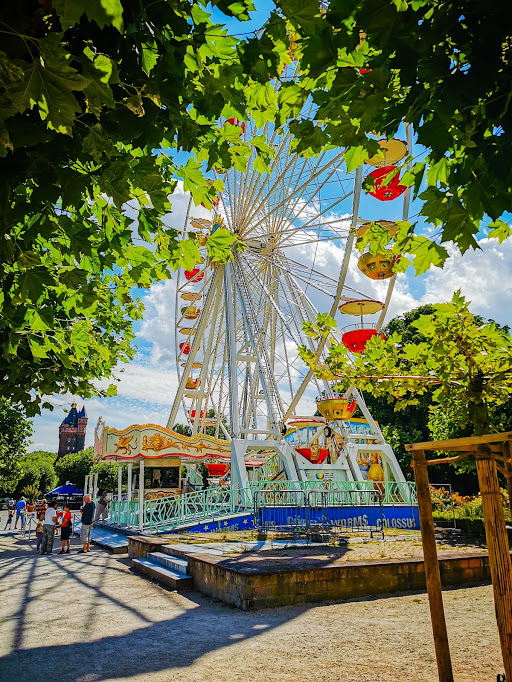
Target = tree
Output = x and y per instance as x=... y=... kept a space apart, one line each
x=442 y=66
x=107 y=476
x=15 y=430
x=88 y=91
x=183 y=429
x=75 y=467
x=38 y=470
x=427 y=420
x=464 y=362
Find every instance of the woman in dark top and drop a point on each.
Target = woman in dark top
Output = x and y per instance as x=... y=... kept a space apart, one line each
x=65 y=530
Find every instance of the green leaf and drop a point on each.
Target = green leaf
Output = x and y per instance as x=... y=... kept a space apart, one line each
x=438 y=172
x=428 y=253
x=355 y=157
x=50 y=88
x=95 y=143
x=499 y=230
x=149 y=56
x=103 y=12
x=188 y=254
x=37 y=348
x=98 y=92
x=111 y=391
x=218 y=245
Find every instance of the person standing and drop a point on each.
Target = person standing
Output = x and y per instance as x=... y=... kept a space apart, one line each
x=65 y=530
x=87 y=521
x=20 y=512
x=41 y=507
x=50 y=520
x=39 y=530
x=10 y=514
x=102 y=507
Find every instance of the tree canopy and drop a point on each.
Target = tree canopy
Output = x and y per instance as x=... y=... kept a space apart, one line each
x=465 y=363
x=38 y=470
x=88 y=92
x=443 y=66
x=15 y=430
x=96 y=98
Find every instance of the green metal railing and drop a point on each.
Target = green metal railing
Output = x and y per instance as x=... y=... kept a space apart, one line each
x=270 y=468
x=173 y=511
x=195 y=477
x=124 y=513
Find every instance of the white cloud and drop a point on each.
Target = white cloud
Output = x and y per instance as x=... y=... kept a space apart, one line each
x=484 y=277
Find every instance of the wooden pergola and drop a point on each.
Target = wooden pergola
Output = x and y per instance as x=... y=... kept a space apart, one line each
x=492 y=453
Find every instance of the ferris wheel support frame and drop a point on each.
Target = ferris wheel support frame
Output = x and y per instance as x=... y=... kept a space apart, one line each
x=231 y=345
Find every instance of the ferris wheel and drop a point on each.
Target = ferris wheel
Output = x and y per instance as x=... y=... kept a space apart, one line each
x=239 y=324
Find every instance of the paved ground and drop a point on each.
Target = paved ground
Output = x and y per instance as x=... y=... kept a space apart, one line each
x=88 y=619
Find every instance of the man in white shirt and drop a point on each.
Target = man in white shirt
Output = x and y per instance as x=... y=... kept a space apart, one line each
x=50 y=521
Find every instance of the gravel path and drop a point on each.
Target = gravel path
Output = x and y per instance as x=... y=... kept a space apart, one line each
x=88 y=618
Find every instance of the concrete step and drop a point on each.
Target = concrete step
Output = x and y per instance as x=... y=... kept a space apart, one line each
x=162 y=575
x=171 y=562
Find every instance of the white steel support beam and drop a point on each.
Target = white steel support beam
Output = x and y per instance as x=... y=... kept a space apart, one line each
x=231 y=344
x=141 y=495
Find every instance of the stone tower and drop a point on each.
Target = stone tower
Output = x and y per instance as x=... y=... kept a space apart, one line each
x=72 y=432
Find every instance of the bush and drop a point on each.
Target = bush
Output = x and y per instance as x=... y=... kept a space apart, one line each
x=446 y=506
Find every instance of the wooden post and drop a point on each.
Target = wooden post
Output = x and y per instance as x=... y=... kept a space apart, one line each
x=432 y=575
x=507 y=451
x=499 y=551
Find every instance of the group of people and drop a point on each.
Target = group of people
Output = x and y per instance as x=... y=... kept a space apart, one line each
x=20 y=508
x=49 y=520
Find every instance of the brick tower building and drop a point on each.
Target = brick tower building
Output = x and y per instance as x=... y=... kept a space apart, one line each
x=72 y=432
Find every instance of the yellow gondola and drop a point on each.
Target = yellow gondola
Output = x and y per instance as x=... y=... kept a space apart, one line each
x=393 y=151
x=190 y=312
x=376 y=266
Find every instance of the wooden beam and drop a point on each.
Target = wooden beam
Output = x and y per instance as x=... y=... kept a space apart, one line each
x=498 y=550
x=448 y=460
x=470 y=440
x=432 y=575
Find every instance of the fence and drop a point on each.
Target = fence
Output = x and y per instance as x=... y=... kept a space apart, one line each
x=309 y=511
x=172 y=511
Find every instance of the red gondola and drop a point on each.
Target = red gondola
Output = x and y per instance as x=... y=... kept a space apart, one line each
x=391 y=190
x=185 y=348
x=356 y=339
x=194 y=275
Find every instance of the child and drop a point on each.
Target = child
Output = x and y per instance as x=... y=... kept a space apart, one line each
x=39 y=530
x=10 y=513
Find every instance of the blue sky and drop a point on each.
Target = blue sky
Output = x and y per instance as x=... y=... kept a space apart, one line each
x=147 y=385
